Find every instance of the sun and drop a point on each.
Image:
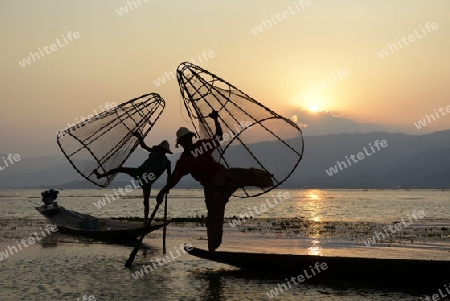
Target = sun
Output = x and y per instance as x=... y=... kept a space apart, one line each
x=313 y=109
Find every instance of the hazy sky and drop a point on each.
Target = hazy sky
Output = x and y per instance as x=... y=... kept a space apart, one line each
x=116 y=58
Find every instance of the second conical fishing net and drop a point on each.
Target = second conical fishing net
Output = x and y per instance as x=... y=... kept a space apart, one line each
x=254 y=135
x=106 y=141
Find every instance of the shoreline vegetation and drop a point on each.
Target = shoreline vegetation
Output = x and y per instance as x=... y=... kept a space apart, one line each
x=429 y=230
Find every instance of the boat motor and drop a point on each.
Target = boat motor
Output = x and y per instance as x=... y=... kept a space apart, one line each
x=49 y=196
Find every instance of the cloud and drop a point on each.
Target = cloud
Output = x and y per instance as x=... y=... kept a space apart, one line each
x=327 y=122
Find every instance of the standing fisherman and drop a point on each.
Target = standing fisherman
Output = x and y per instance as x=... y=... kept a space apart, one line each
x=218 y=181
x=149 y=171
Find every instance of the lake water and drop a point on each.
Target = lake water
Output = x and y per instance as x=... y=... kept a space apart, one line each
x=317 y=222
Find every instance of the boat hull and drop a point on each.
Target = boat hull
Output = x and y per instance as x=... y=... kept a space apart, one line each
x=104 y=229
x=422 y=272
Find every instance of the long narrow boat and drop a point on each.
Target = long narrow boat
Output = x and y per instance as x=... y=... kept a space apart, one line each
x=423 y=272
x=79 y=224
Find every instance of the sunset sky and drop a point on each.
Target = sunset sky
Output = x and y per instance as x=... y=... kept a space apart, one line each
x=120 y=55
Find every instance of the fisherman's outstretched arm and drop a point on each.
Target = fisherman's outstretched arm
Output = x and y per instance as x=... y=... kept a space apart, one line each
x=170 y=184
x=141 y=141
x=172 y=180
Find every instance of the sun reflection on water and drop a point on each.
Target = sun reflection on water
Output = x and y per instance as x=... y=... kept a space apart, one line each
x=314 y=195
x=311 y=205
x=315 y=249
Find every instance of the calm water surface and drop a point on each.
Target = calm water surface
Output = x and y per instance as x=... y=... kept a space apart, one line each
x=333 y=222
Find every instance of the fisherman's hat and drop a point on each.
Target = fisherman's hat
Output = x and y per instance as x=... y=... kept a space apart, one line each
x=164 y=145
x=183 y=131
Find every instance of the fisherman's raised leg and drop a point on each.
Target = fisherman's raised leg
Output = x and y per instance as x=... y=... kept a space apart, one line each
x=127 y=170
x=243 y=177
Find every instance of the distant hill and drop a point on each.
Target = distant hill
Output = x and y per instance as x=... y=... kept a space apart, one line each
x=408 y=161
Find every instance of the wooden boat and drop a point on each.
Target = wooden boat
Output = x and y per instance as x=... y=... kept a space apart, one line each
x=367 y=270
x=79 y=224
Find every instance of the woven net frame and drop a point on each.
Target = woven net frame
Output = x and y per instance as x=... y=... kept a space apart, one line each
x=204 y=91
x=106 y=140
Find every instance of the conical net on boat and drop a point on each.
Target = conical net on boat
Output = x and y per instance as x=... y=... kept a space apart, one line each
x=106 y=141
x=254 y=135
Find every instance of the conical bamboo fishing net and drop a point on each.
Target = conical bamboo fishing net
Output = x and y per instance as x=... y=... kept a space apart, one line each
x=106 y=141
x=254 y=135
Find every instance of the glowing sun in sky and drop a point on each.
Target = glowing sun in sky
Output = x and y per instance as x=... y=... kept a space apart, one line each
x=313 y=108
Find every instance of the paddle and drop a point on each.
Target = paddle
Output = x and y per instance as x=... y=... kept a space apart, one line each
x=141 y=238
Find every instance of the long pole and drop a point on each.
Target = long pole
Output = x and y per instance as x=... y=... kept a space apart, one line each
x=136 y=248
x=169 y=173
x=165 y=226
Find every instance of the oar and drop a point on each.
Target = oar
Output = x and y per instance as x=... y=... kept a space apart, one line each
x=165 y=226
x=141 y=238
